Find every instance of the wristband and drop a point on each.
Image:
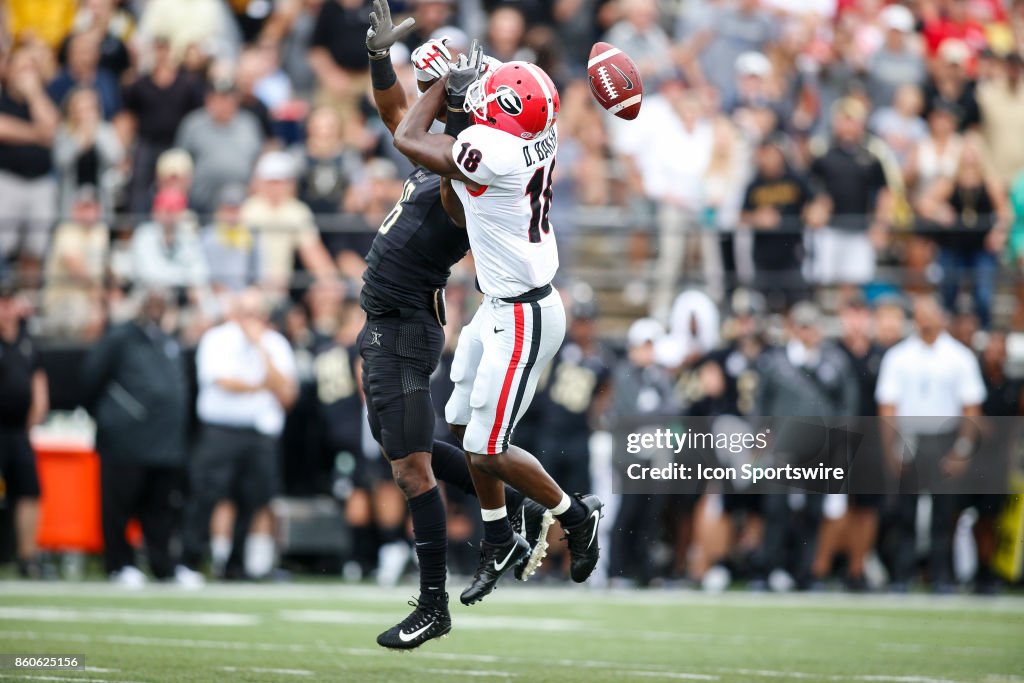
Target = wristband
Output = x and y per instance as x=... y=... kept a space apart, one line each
x=458 y=120
x=382 y=72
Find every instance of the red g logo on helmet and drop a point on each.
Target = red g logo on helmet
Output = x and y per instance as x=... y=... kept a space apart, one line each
x=517 y=98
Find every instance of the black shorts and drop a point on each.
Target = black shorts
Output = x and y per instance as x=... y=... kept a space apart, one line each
x=18 y=464
x=236 y=464
x=399 y=355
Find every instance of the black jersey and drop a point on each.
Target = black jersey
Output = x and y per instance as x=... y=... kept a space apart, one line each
x=414 y=250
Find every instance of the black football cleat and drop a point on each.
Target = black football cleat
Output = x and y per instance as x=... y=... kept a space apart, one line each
x=532 y=522
x=495 y=560
x=429 y=619
x=584 y=549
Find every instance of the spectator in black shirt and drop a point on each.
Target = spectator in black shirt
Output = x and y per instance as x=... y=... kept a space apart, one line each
x=1005 y=395
x=28 y=192
x=135 y=385
x=24 y=402
x=154 y=106
x=852 y=180
x=774 y=206
x=968 y=217
x=338 y=56
x=328 y=171
x=251 y=67
x=95 y=17
x=951 y=85
x=83 y=70
x=858 y=527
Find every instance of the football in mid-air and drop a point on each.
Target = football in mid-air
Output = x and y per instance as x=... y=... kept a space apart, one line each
x=615 y=81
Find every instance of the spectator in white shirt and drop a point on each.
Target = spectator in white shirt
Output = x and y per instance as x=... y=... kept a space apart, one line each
x=166 y=252
x=247 y=382
x=935 y=379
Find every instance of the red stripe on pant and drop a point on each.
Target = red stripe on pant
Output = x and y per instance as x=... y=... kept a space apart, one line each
x=510 y=374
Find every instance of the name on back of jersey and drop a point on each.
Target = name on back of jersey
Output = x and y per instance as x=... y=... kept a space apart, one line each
x=542 y=149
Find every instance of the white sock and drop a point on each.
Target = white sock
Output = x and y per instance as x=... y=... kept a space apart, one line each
x=493 y=515
x=220 y=551
x=259 y=555
x=563 y=505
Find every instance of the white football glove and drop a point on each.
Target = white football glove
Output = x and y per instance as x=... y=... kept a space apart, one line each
x=432 y=60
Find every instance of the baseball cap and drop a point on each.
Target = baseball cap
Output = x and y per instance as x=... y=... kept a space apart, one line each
x=954 y=51
x=86 y=194
x=174 y=162
x=223 y=84
x=897 y=18
x=276 y=166
x=643 y=331
x=170 y=199
x=584 y=310
x=232 y=195
x=805 y=314
x=753 y=64
x=747 y=302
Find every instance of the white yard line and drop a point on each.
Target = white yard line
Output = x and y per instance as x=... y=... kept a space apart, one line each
x=266 y=670
x=128 y=616
x=54 y=677
x=671 y=675
x=315 y=616
x=866 y=678
x=470 y=672
x=525 y=595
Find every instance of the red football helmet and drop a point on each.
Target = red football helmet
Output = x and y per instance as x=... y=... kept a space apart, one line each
x=517 y=97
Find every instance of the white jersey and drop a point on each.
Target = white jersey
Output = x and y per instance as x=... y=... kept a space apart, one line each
x=507 y=219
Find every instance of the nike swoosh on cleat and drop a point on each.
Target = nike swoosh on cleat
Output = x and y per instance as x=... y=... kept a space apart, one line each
x=629 y=83
x=406 y=637
x=593 y=534
x=508 y=557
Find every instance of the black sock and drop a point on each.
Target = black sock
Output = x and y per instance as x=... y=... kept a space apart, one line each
x=498 y=532
x=429 y=527
x=449 y=465
x=575 y=515
x=513 y=499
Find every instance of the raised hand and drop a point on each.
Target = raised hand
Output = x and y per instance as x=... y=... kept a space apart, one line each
x=383 y=33
x=464 y=72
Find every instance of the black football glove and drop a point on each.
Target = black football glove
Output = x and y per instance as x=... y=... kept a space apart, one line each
x=463 y=73
x=383 y=33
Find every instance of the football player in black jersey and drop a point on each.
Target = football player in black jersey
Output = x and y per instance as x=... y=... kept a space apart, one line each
x=403 y=296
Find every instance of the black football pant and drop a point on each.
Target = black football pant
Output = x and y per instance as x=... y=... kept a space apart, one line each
x=150 y=494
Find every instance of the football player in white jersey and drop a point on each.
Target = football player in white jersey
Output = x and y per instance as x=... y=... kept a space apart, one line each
x=501 y=166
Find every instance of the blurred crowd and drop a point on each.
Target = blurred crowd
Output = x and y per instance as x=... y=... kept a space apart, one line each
x=175 y=171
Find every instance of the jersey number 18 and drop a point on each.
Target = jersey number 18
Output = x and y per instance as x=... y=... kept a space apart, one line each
x=539 y=192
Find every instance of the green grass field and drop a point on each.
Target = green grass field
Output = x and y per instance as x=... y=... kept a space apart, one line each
x=325 y=632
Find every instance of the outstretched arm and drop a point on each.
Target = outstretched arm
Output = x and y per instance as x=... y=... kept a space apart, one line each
x=432 y=151
x=388 y=93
